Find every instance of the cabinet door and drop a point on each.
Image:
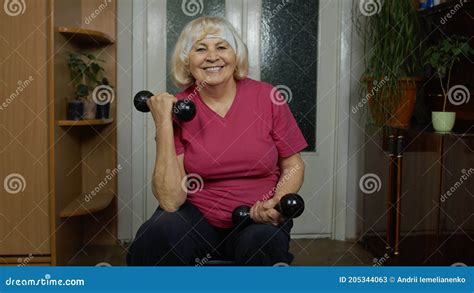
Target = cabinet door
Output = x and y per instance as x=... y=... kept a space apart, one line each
x=374 y=187
x=24 y=191
x=400 y=217
x=457 y=202
x=420 y=181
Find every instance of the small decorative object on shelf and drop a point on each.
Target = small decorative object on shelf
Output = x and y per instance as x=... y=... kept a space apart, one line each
x=103 y=95
x=442 y=57
x=75 y=110
x=91 y=88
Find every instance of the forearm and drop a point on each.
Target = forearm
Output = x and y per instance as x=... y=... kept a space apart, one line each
x=167 y=176
x=291 y=179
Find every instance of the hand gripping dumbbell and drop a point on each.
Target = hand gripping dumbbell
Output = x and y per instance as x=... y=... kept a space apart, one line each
x=184 y=110
x=290 y=206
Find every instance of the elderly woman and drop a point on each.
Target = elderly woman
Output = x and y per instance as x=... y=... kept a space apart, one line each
x=244 y=144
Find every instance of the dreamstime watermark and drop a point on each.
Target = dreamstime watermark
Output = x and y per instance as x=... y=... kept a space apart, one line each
x=459 y=264
x=21 y=86
x=196 y=90
x=458 y=95
x=202 y=261
x=370 y=7
x=464 y=177
x=380 y=261
x=282 y=181
x=370 y=183
x=281 y=264
x=377 y=85
x=25 y=261
x=103 y=264
x=14 y=183
x=47 y=280
x=451 y=12
x=14 y=7
x=192 y=7
x=88 y=19
x=278 y=8
x=110 y=175
x=103 y=94
x=192 y=183
x=281 y=94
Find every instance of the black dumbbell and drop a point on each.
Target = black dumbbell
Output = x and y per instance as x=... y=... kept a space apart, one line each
x=290 y=206
x=184 y=110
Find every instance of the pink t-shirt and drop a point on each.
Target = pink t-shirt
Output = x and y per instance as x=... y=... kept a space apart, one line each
x=236 y=155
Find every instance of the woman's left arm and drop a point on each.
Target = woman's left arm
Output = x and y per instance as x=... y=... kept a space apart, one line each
x=290 y=181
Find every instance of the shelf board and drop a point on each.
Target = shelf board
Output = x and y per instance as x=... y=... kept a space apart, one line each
x=87 y=122
x=79 y=206
x=82 y=36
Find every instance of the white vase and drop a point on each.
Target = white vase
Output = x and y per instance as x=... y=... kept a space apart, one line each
x=89 y=109
x=443 y=121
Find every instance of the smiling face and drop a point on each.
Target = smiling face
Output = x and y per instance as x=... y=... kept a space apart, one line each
x=212 y=60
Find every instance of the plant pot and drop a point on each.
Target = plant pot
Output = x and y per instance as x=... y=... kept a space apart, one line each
x=102 y=111
x=89 y=109
x=443 y=121
x=403 y=104
x=75 y=110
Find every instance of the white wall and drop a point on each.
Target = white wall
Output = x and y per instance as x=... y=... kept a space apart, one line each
x=124 y=110
x=355 y=166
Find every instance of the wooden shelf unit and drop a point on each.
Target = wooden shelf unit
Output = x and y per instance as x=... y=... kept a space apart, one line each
x=87 y=122
x=86 y=204
x=84 y=155
x=48 y=224
x=83 y=36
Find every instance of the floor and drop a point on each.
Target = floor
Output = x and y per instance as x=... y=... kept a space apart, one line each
x=307 y=252
x=326 y=252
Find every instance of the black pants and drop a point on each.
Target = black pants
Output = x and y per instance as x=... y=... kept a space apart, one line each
x=185 y=237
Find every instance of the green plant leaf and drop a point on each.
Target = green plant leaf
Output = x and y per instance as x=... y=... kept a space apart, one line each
x=82 y=90
x=85 y=72
x=95 y=68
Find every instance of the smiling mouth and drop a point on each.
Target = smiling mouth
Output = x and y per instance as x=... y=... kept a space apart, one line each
x=213 y=69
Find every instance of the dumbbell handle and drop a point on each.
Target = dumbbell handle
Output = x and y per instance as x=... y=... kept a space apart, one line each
x=184 y=110
x=290 y=206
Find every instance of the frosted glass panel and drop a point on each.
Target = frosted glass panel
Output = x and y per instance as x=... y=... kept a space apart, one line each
x=178 y=14
x=289 y=39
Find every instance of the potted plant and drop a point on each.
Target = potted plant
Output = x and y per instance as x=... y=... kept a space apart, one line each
x=442 y=57
x=86 y=74
x=391 y=47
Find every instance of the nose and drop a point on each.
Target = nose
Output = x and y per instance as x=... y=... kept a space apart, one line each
x=212 y=56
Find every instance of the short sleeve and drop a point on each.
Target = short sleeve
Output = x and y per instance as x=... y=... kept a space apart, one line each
x=286 y=133
x=178 y=141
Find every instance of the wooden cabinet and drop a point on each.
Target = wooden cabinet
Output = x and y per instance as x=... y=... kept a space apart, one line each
x=423 y=211
x=24 y=157
x=66 y=169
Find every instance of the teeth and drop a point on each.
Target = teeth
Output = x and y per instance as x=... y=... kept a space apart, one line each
x=213 y=69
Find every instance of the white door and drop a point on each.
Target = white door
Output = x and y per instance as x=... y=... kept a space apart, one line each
x=246 y=16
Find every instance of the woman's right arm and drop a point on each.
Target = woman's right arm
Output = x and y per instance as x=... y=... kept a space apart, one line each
x=169 y=168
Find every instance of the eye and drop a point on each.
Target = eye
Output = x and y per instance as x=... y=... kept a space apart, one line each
x=222 y=47
x=201 y=49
